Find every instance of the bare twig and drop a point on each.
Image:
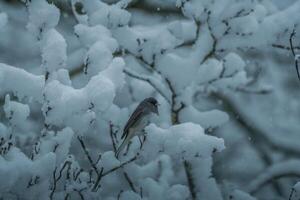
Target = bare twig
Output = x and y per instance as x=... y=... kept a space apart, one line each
x=292 y=193
x=102 y=173
x=274 y=172
x=148 y=80
x=120 y=166
x=259 y=139
x=67 y=196
x=293 y=51
x=56 y=179
x=33 y=181
x=257 y=134
x=76 y=175
x=129 y=182
x=119 y=195
x=86 y=152
x=283 y=47
x=174 y=111
x=111 y=132
x=79 y=192
x=259 y=91
x=141 y=192
x=214 y=45
x=191 y=184
x=99 y=177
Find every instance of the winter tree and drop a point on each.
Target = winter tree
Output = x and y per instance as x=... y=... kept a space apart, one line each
x=73 y=71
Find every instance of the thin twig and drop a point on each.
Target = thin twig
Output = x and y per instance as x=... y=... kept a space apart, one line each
x=79 y=192
x=283 y=47
x=86 y=152
x=129 y=182
x=259 y=91
x=274 y=172
x=120 y=166
x=56 y=179
x=119 y=195
x=293 y=51
x=102 y=173
x=291 y=194
x=214 y=45
x=99 y=177
x=148 y=80
x=111 y=132
x=174 y=111
x=191 y=184
x=257 y=134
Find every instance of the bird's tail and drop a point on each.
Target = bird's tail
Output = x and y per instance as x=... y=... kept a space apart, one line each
x=122 y=146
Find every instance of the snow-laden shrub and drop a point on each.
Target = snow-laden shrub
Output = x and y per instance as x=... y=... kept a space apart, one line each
x=64 y=116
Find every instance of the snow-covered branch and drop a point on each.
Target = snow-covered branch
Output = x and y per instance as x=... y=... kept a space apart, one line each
x=73 y=72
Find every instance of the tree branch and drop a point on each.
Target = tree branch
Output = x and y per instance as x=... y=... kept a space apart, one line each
x=276 y=171
x=102 y=174
x=296 y=57
x=56 y=179
x=191 y=184
x=111 y=133
x=129 y=182
x=86 y=152
x=148 y=80
x=174 y=111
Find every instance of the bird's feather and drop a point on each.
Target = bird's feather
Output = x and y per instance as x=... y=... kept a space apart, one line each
x=137 y=121
x=133 y=119
x=122 y=146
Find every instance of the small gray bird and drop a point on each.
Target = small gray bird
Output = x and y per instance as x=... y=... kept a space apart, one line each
x=138 y=120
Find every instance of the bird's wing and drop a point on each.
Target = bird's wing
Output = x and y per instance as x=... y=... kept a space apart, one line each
x=133 y=119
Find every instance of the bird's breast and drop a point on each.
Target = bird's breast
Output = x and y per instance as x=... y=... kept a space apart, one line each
x=140 y=124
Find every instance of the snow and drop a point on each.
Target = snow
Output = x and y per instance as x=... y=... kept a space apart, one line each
x=42 y=17
x=295 y=192
x=179 y=65
x=102 y=100
x=193 y=10
x=12 y=79
x=109 y=160
x=207 y=119
x=89 y=35
x=58 y=143
x=110 y=16
x=240 y=195
x=115 y=72
x=232 y=64
x=62 y=75
x=97 y=59
x=14 y=111
x=183 y=30
x=278 y=169
x=3 y=20
x=130 y=195
x=184 y=144
x=209 y=71
x=178 y=192
x=20 y=169
x=72 y=73
x=64 y=104
x=54 y=53
x=149 y=42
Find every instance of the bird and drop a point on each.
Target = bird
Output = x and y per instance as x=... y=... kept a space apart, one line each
x=138 y=120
